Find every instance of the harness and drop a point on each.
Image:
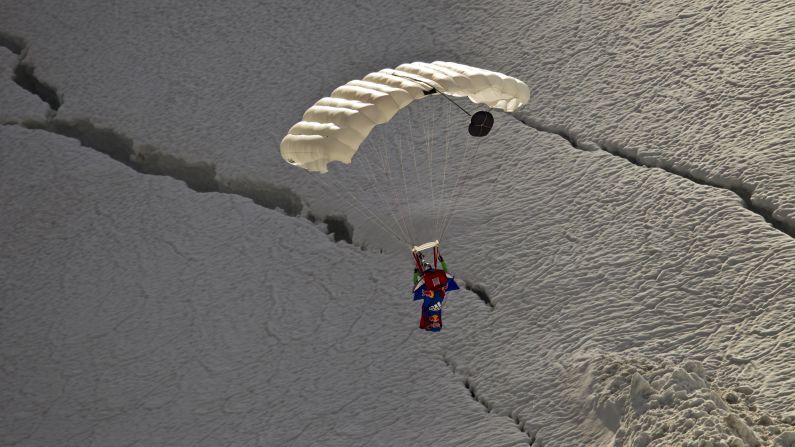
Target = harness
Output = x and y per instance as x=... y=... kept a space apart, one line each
x=435 y=279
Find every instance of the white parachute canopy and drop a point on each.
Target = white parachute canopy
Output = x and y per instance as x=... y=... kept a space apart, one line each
x=334 y=127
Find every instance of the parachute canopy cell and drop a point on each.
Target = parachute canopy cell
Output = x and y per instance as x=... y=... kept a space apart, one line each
x=335 y=126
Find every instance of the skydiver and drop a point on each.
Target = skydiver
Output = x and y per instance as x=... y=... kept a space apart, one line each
x=431 y=286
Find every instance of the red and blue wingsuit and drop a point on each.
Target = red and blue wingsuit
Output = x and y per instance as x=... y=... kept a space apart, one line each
x=431 y=285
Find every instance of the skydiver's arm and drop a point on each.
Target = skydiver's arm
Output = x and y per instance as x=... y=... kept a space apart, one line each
x=444 y=264
x=416 y=277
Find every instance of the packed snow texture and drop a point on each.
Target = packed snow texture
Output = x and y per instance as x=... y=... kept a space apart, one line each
x=701 y=87
x=629 y=306
x=136 y=311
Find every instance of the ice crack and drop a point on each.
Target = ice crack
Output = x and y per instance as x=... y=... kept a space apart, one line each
x=24 y=73
x=520 y=423
x=15 y=44
x=25 y=78
x=198 y=176
x=744 y=192
x=480 y=291
x=338 y=226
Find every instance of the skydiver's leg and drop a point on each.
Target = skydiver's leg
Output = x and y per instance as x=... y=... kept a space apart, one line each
x=440 y=320
x=438 y=327
x=424 y=315
x=434 y=317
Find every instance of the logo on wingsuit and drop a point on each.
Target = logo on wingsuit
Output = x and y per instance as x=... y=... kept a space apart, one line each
x=435 y=307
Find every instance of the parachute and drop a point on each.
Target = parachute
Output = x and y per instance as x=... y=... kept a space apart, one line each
x=335 y=126
x=417 y=178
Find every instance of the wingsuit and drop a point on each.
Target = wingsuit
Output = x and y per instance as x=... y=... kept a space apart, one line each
x=431 y=286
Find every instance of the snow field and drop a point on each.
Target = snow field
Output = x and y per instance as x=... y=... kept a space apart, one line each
x=205 y=320
x=628 y=301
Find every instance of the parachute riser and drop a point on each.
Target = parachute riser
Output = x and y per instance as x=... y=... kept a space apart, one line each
x=417 y=261
x=416 y=253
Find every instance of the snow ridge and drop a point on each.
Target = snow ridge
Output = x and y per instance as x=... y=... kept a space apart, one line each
x=520 y=423
x=743 y=191
x=658 y=402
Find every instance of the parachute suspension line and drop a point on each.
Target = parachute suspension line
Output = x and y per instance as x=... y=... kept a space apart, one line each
x=428 y=145
x=468 y=155
x=467 y=178
x=369 y=172
x=354 y=204
x=460 y=171
x=330 y=134
x=431 y=172
x=372 y=218
x=354 y=181
x=396 y=200
x=438 y=223
x=430 y=140
x=413 y=150
x=469 y=169
x=395 y=193
x=405 y=184
x=378 y=150
x=374 y=182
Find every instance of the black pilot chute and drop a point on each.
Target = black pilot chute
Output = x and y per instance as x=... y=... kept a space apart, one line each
x=481 y=123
